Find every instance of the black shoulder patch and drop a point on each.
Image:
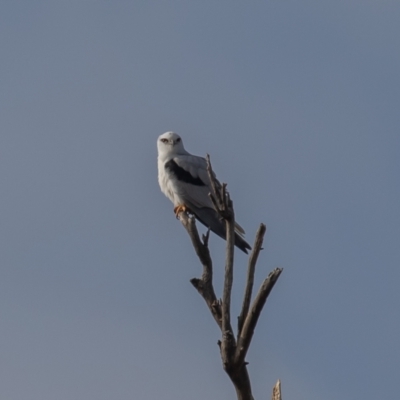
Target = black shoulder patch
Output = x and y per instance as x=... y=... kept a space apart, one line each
x=181 y=174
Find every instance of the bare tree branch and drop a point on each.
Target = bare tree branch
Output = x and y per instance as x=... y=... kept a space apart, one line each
x=215 y=193
x=250 y=275
x=224 y=207
x=223 y=204
x=252 y=317
x=219 y=195
x=203 y=285
x=226 y=297
x=276 y=391
x=233 y=354
x=228 y=342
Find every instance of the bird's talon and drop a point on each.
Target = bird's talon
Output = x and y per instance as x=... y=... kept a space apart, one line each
x=179 y=209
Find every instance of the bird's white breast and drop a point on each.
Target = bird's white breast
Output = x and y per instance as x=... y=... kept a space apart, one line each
x=167 y=182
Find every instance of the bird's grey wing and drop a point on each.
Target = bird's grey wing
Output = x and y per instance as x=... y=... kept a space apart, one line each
x=195 y=184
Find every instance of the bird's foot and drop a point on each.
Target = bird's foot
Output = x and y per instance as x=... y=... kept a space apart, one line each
x=179 y=209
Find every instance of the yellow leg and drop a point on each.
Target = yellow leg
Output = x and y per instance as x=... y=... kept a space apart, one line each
x=180 y=208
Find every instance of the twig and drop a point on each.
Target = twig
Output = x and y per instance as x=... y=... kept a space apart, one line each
x=215 y=193
x=276 y=391
x=250 y=275
x=203 y=285
x=253 y=315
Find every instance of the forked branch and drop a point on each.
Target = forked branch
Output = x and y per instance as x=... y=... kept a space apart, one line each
x=233 y=352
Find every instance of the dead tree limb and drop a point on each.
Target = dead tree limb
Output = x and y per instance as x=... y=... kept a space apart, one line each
x=276 y=391
x=204 y=284
x=250 y=275
x=233 y=351
x=251 y=320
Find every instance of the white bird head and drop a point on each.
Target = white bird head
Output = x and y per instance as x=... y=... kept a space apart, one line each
x=170 y=144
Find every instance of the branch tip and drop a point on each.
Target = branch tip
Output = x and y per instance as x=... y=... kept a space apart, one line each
x=195 y=282
x=250 y=320
x=276 y=391
x=205 y=237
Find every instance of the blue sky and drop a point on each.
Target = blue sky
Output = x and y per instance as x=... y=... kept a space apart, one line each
x=297 y=104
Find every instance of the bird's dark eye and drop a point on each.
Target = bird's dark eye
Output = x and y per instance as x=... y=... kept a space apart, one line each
x=164 y=140
x=178 y=140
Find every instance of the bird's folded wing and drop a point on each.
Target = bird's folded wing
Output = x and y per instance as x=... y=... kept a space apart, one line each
x=195 y=193
x=196 y=189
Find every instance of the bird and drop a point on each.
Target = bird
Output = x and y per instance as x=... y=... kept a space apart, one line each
x=184 y=179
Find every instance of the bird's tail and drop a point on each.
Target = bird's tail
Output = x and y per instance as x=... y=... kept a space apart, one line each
x=210 y=218
x=239 y=229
